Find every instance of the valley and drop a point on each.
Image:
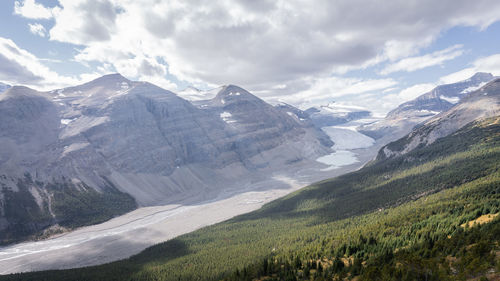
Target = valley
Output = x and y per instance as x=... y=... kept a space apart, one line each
x=255 y=185
x=133 y=232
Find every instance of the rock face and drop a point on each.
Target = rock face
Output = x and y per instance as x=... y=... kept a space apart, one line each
x=113 y=138
x=479 y=104
x=401 y=120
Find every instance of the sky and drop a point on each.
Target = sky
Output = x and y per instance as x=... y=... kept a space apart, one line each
x=374 y=54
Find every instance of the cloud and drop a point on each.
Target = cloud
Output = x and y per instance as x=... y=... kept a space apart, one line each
x=20 y=67
x=82 y=22
x=326 y=89
x=420 y=62
x=32 y=10
x=490 y=64
x=263 y=43
x=414 y=91
x=37 y=29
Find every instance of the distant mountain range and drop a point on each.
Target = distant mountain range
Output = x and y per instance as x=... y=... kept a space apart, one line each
x=477 y=104
x=402 y=119
x=334 y=114
x=83 y=154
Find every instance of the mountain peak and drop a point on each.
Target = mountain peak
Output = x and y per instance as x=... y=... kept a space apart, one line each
x=482 y=76
x=114 y=77
x=19 y=91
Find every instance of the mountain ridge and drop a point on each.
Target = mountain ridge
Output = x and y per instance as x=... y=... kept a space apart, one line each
x=125 y=138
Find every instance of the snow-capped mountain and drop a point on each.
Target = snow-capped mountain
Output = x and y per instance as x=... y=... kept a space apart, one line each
x=402 y=119
x=334 y=114
x=478 y=104
x=124 y=138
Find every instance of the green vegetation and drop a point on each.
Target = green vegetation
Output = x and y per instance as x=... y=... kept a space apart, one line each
x=81 y=206
x=24 y=215
x=396 y=219
x=71 y=205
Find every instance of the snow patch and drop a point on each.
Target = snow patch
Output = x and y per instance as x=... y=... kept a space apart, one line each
x=429 y=111
x=236 y=94
x=66 y=121
x=74 y=147
x=473 y=88
x=60 y=93
x=452 y=100
x=124 y=86
x=222 y=101
x=227 y=117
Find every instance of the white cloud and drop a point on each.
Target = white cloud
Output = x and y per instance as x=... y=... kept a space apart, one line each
x=414 y=91
x=83 y=22
x=420 y=62
x=18 y=66
x=37 y=29
x=327 y=89
x=260 y=44
x=381 y=103
x=32 y=10
x=458 y=76
x=489 y=64
x=285 y=49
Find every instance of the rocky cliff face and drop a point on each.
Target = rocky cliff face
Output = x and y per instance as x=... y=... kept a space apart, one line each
x=113 y=138
x=479 y=104
x=402 y=119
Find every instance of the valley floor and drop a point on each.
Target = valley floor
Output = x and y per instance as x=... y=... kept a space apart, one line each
x=131 y=233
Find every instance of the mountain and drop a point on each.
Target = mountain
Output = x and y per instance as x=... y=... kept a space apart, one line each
x=401 y=120
x=83 y=154
x=414 y=216
x=481 y=103
x=335 y=114
x=3 y=87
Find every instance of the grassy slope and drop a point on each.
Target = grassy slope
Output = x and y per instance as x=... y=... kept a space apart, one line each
x=403 y=203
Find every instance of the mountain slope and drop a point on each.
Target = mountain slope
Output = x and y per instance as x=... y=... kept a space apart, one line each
x=120 y=139
x=482 y=103
x=406 y=210
x=402 y=119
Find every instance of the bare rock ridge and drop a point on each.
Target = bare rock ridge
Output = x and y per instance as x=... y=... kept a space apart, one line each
x=402 y=119
x=479 y=104
x=99 y=148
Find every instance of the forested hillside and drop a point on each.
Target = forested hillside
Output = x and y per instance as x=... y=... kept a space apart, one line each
x=431 y=214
